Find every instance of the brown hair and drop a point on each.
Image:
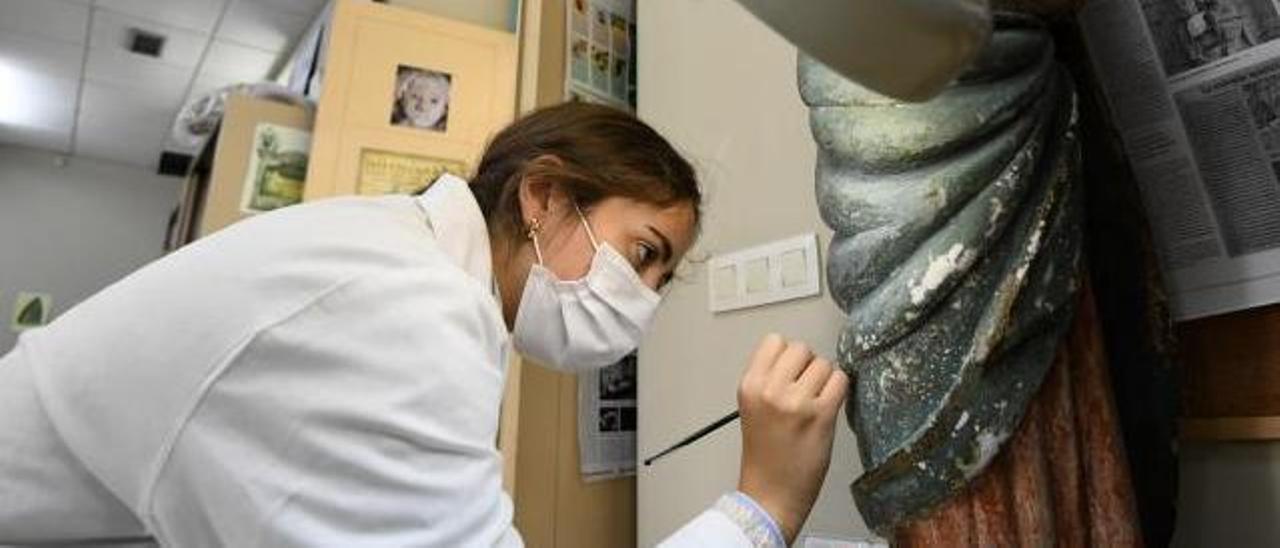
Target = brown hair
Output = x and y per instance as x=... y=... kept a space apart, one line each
x=603 y=152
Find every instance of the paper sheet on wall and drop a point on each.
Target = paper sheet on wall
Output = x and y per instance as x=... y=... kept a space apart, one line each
x=601 y=52
x=1194 y=88
x=607 y=420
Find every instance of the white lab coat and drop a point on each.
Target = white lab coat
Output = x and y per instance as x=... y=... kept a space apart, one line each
x=327 y=374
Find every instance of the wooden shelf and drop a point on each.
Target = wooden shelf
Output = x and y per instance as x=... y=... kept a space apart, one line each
x=1230 y=429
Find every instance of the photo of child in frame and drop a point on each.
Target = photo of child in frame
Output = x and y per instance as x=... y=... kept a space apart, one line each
x=421 y=98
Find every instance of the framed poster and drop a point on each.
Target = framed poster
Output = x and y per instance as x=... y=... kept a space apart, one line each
x=383 y=172
x=31 y=310
x=406 y=94
x=277 y=168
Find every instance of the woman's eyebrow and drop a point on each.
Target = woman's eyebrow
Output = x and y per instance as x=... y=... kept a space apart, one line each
x=666 y=243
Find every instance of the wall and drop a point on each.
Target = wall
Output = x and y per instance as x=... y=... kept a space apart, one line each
x=1229 y=495
x=722 y=87
x=70 y=231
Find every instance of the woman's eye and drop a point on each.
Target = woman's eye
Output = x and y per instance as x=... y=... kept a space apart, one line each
x=644 y=254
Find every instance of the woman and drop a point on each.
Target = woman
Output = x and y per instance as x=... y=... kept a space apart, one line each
x=331 y=373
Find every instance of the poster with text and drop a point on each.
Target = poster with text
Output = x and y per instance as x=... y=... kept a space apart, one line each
x=385 y=172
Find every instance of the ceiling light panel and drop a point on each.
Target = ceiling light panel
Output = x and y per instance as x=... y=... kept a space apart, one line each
x=38 y=82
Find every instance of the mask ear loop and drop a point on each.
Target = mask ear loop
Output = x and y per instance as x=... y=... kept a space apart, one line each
x=535 y=226
x=592 y=235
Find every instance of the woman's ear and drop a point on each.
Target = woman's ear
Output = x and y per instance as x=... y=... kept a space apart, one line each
x=540 y=197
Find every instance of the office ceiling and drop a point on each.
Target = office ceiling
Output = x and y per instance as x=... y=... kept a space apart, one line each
x=70 y=84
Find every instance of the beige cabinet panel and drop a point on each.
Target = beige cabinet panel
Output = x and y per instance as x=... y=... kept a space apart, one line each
x=374 y=50
x=234 y=148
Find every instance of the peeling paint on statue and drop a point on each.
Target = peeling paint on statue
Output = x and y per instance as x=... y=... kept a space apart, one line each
x=955 y=257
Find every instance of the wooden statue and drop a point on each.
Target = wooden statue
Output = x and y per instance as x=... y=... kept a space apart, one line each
x=983 y=407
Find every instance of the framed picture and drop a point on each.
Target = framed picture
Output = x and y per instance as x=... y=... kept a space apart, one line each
x=277 y=168
x=31 y=310
x=421 y=98
x=385 y=172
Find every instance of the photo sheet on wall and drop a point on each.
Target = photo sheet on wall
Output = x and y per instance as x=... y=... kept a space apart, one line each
x=607 y=420
x=601 y=52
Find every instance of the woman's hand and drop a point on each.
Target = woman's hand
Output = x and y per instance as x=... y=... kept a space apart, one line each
x=788 y=400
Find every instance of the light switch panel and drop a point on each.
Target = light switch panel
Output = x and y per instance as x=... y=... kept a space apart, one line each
x=795 y=270
x=726 y=282
x=767 y=273
x=757 y=274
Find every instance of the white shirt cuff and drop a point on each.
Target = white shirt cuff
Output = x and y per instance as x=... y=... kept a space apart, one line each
x=758 y=526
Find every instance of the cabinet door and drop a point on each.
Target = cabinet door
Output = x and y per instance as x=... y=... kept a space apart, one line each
x=404 y=96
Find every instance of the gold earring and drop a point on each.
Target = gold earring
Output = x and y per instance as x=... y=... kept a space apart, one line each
x=535 y=226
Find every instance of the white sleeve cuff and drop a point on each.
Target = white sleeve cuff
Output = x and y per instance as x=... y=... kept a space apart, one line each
x=758 y=526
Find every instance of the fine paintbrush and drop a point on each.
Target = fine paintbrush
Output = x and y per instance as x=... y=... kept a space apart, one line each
x=695 y=436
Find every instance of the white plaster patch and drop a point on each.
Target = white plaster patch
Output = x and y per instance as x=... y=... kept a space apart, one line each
x=940 y=268
x=987 y=445
x=941 y=194
x=964 y=419
x=997 y=211
x=1033 y=244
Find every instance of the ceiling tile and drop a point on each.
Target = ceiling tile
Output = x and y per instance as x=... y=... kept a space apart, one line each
x=238 y=62
x=198 y=15
x=147 y=79
x=262 y=26
x=109 y=106
x=62 y=21
x=119 y=126
x=309 y=8
x=113 y=31
x=208 y=82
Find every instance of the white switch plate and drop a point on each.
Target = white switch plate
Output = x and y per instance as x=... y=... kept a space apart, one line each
x=767 y=273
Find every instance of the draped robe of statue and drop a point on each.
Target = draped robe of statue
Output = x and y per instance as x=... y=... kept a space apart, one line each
x=982 y=407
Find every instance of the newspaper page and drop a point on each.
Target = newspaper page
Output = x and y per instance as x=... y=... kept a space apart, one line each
x=1194 y=88
x=607 y=420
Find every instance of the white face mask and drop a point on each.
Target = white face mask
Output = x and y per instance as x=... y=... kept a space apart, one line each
x=588 y=323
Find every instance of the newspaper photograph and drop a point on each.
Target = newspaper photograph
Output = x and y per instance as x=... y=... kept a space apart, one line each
x=1194 y=89
x=1189 y=34
x=607 y=420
